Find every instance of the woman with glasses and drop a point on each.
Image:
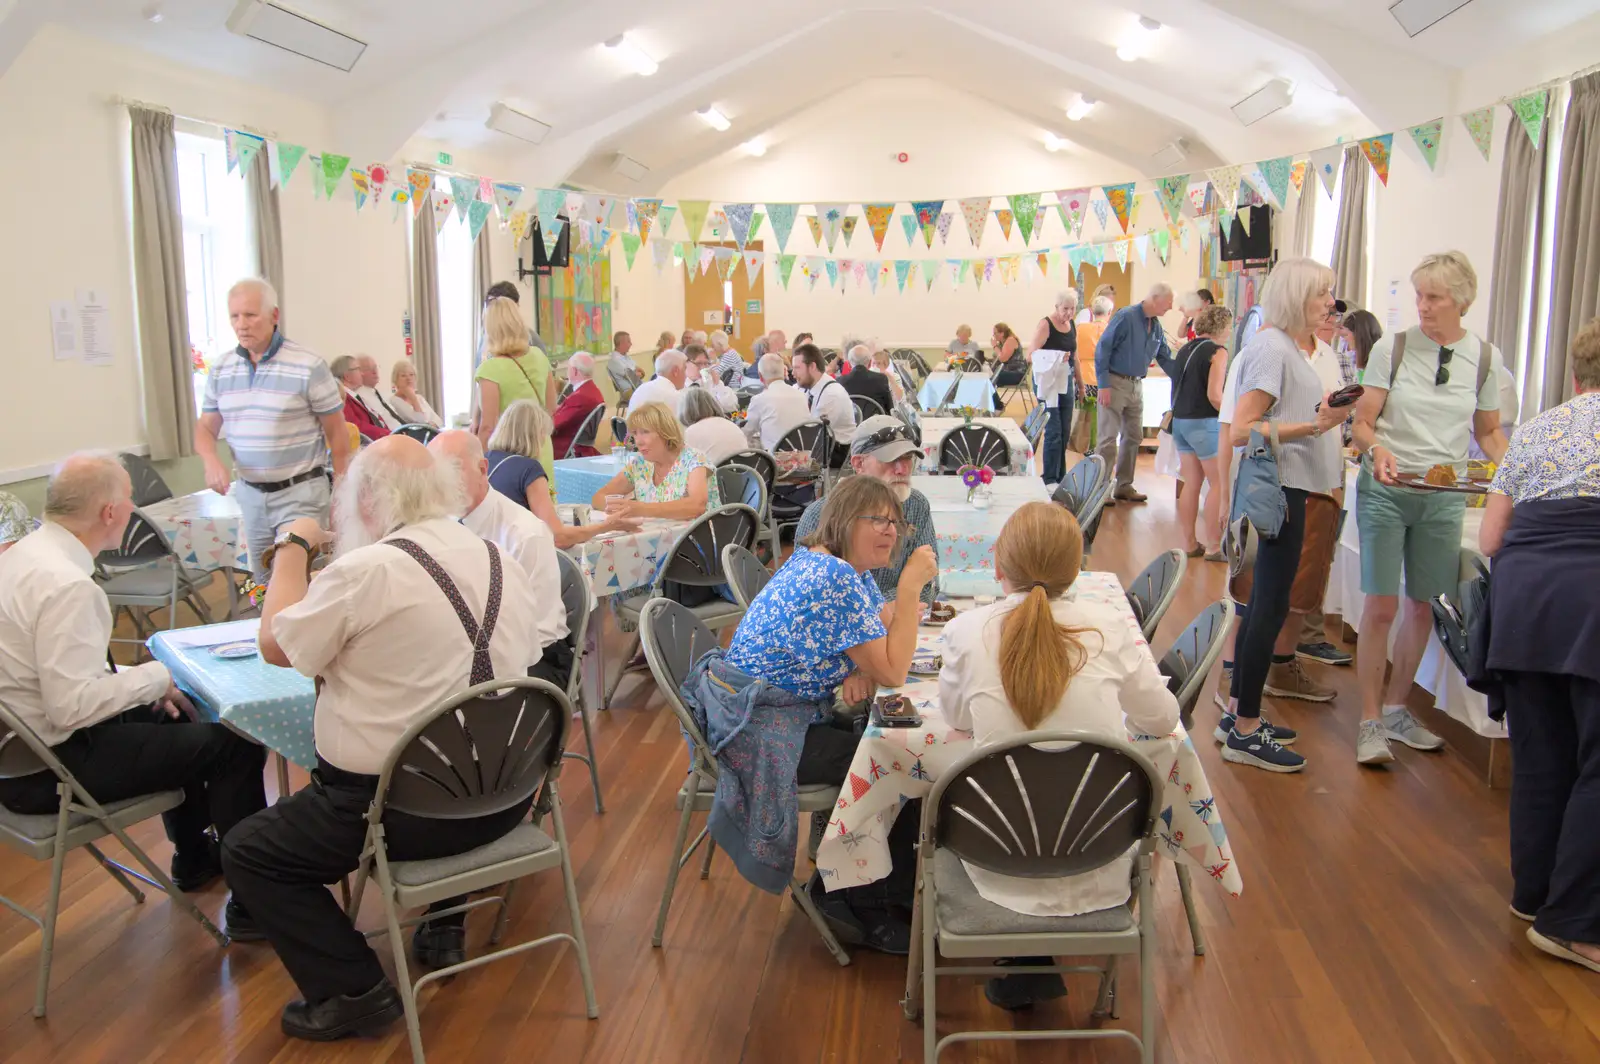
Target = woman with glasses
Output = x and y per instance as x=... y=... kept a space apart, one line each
x=1429 y=391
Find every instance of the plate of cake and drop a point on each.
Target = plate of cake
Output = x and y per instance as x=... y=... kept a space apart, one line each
x=1443 y=478
x=939 y=613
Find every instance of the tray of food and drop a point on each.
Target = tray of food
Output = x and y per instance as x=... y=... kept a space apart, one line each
x=1443 y=478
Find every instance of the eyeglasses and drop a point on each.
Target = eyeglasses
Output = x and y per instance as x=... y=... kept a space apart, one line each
x=1442 y=377
x=884 y=524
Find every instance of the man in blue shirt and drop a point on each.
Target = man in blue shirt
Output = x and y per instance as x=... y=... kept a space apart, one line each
x=1133 y=339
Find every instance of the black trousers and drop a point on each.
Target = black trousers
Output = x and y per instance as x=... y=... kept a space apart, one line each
x=1555 y=801
x=1277 y=560
x=280 y=862
x=219 y=771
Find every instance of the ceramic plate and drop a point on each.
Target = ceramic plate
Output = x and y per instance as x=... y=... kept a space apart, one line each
x=244 y=648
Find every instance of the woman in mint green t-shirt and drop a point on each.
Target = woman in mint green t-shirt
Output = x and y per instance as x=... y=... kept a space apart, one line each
x=512 y=371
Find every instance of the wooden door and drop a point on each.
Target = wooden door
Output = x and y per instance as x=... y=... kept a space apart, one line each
x=1119 y=278
x=738 y=306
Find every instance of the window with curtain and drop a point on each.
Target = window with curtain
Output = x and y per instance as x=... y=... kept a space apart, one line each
x=456 y=312
x=1326 y=219
x=217 y=246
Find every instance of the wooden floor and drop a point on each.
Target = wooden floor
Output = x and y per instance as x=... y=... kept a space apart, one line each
x=1373 y=927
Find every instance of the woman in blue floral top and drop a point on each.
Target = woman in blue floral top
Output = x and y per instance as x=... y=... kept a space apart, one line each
x=663 y=477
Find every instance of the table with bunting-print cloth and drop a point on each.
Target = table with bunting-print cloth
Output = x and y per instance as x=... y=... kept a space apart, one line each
x=614 y=562
x=935 y=429
x=894 y=765
x=975 y=390
x=965 y=532
x=577 y=479
x=205 y=530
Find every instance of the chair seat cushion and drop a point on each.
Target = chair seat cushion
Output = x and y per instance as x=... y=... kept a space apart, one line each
x=717 y=613
x=963 y=911
x=41 y=827
x=524 y=840
x=148 y=583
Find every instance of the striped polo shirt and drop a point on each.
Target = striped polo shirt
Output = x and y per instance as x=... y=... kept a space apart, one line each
x=1272 y=363
x=270 y=409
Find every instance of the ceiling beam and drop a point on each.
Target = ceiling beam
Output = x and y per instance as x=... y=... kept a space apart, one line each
x=19 y=21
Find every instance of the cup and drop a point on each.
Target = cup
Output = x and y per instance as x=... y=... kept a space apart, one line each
x=614 y=501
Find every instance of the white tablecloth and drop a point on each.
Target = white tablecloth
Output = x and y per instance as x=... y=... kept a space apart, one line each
x=935 y=429
x=976 y=390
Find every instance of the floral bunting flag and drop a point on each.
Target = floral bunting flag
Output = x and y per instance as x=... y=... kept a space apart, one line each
x=1102 y=212
x=1120 y=250
x=927 y=216
x=977 y=276
x=752 y=265
x=477 y=213
x=945 y=218
x=706 y=257
x=1530 y=110
x=976 y=212
x=831 y=215
x=289 y=156
x=1225 y=179
x=1276 y=172
x=550 y=202
x=1004 y=217
x=421 y=181
x=333 y=168
x=1197 y=196
x=815 y=225
x=756 y=218
x=400 y=195
x=694 y=217
x=908 y=224
x=441 y=211
x=1480 y=127
x=738 y=215
x=1070 y=204
x=1026 y=210
x=782 y=216
x=241 y=149
x=486 y=189
x=833 y=273
x=645 y=212
x=664 y=219
x=1135 y=200
x=1170 y=193
x=1326 y=162
x=1426 y=138
x=878 y=218
x=1039 y=213
x=1121 y=198
x=362 y=184
x=902 y=269
x=377 y=178
x=1377 y=150
x=1097 y=254
x=847 y=226
x=812 y=269
x=727 y=260
x=785 y=262
x=506 y=194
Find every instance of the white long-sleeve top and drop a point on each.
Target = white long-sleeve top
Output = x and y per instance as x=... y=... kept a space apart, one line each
x=1118 y=690
x=55 y=627
x=421 y=414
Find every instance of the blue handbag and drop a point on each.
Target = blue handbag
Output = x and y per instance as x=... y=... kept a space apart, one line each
x=1257 y=489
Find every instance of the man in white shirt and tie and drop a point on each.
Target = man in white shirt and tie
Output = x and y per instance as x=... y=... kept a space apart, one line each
x=827 y=398
x=390 y=630
x=778 y=408
x=372 y=398
x=122 y=734
x=671 y=370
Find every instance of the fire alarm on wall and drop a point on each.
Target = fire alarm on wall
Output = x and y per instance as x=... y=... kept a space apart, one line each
x=902 y=158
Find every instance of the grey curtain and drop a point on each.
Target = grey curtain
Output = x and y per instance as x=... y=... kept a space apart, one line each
x=425 y=342
x=1514 y=274
x=1350 y=233
x=1305 y=217
x=268 y=226
x=161 y=297
x=482 y=278
x=1575 y=297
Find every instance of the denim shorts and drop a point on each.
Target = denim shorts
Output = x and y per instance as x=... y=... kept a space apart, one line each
x=1196 y=436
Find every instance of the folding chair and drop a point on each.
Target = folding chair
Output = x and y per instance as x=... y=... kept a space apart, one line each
x=575 y=599
x=746 y=575
x=1033 y=424
x=143 y=574
x=79 y=822
x=148 y=485
x=482 y=751
x=866 y=407
x=1009 y=808
x=674 y=639
x=809 y=438
x=977 y=445
x=950 y=394
x=1086 y=475
x=587 y=431
x=912 y=420
x=1088 y=515
x=619 y=431
x=907 y=385
x=766 y=467
x=1015 y=376
x=1152 y=592
x=421 y=433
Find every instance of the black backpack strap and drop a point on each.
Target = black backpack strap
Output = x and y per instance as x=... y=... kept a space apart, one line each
x=478 y=635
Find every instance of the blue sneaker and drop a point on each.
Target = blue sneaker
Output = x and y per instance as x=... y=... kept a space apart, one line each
x=1282 y=733
x=1262 y=751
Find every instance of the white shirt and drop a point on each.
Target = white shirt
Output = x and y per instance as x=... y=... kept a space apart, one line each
x=375 y=403
x=716 y=438
x=775 y=411
x=55 y=626
x=1118 y=690
x=655 y=390
x=421 y=414
x=1326 y=362
x=387 y=644
x=1052 y=373
x=831 y=403
x=1230 y=392
x=895 y=387
x=724 y=395
x=514 y=529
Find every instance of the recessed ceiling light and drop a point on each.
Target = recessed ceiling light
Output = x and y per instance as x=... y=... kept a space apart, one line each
x=632 y=56
x=1139 y=39
x=271 y=23
x=1053 y=142
x=513 y=123
x=1415 y=16
x=755 y=146
x=714 y=118
x=1080 y=108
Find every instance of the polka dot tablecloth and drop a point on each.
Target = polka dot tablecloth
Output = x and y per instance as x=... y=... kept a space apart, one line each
x=894 y=765
x=577 y=479
x=935 y=429
x=205 y=530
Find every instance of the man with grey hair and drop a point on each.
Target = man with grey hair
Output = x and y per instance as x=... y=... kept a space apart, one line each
x=573 y=411
x=1132 y=341
x=864 y=381
x=123 y=734
x=672 y=368
x=414 y=608
x=372 y=398
x=346 y=370
x=283 y=415
x=779 y=407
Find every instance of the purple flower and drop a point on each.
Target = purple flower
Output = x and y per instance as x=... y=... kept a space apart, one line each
x=971 y=477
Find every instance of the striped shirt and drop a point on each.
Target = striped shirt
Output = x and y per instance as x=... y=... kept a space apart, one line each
x=729 y=362
x=270 y=409
x=1273 y=364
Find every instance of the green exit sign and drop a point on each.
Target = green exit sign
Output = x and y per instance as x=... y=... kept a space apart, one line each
x=445 y=158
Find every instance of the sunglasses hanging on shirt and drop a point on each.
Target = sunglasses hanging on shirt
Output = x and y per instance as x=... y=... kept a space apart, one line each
x=1442 y=377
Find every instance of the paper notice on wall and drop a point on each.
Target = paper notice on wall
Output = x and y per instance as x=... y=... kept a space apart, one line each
x=1391 y=323
x=94 y=327
x=63 y=329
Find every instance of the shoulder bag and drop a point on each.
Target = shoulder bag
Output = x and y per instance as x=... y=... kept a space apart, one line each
x=1166 y=419
x=1257 y=488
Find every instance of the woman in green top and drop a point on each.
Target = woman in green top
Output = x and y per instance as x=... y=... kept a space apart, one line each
x=512 y=371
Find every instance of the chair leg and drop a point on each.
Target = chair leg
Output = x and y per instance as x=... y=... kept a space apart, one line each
x=802 y=899
x=590 y=759
x=1186 y=888
x=283 y=776
x=1102 y=999
x=116 y=872
x=675 y=859
x=47 y=931
x=162 y=880
x=911 y=1004
x=622 y=670
x=397 y=946
x=705 y=864
x=571 y=886
x=503 y=917
x=930 y=979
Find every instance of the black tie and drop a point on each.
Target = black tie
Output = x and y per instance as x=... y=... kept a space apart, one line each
x=398 y=420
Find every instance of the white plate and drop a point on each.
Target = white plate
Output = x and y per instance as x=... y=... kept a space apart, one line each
x=241 y=649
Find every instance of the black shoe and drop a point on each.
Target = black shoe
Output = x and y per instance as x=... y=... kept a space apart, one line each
x=439 y=945
x=239 y=925
x=888 y=934
x=343 y=1016
x=194 y=870
x=836 y=913
x=1016 y=992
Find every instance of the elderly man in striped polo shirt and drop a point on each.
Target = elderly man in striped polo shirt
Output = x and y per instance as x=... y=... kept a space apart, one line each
x=283 y=414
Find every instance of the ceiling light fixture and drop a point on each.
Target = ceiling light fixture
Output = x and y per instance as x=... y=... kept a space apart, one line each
x=632 y=169
x=1171 y=155
x=1415 y=16
x=1053 y=142
x=272 y=23
x=632 y=56
x=755 y=146
x=1138 y=42
x=1275 y=95
x=513 y=123
x=1080 y=108
x=713 y=118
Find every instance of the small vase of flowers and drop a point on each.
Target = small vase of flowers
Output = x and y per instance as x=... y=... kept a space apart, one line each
x=977 y=480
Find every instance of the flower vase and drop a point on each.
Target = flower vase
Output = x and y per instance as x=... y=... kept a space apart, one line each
x=980 y=497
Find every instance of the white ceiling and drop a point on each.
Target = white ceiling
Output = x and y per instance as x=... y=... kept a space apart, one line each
x=434 y=70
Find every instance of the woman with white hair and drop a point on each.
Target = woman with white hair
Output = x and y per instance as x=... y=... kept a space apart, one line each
x=408 y=402
x=1281 y=395
x=706 y=429
x=1428 y=391
x=728 y=363
x=1055 y=342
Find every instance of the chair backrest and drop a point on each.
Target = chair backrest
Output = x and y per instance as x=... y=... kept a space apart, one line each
x=22 y=753
x=1085 y=475
x=978 y=445
x=619 y=430
x=478 y=752
x=673 y=639
x=955 y=386
x=587 y=431
x=574 y=599
x=142 y=543
x=866 y=407
x=696 y=558
x=746 y=575
x=421 y=433
x=1190 y=659
x=731 y=374
x=1033 y=425
x=1089 y=511
x=1152 y=592
x=148 y=487
x=906 y=382
x=907 y=413
x=741 y=484
x=1024 y=808
x=763 y=463
x=809 y=436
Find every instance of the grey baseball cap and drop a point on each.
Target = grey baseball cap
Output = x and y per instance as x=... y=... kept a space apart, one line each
x=884 y=438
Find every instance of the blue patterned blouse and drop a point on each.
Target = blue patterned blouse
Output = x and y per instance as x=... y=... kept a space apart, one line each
x=1556 y=455
x=796 y=632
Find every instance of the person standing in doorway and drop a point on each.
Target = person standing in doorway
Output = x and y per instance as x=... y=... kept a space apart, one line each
x=1133 y=340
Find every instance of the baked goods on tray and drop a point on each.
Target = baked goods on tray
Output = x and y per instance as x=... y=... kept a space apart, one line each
x=1440 y=476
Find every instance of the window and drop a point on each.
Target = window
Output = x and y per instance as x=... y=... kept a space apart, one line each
x=1326 y=219
x=457 y=315
x=217 y=246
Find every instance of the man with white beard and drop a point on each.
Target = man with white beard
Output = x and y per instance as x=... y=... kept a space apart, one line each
x=414 y=608
x=882 y=447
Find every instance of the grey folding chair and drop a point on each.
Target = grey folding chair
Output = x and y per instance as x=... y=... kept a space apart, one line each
x=746 y=575
x=1152 y=592
x=814 y=440
x=1187 y=665
x=619 y=431
x=1088 y=515
x=148 y=485
x=910 y=417
x=1033 y=424
x=421 y=433
x=1039 y=805
x=950 y=394
x=866 y=407
x=78 y=823
x=142 y=575
x=1085 y=477
x=479 y=752
x=587 y=432
x=575 y=599
x=674 y=639
x=976 y=445
x=766 y=467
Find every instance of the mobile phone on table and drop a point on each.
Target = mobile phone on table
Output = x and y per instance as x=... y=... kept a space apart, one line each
x=894 y=711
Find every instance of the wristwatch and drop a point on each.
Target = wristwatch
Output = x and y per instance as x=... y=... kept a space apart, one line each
x=288 y=537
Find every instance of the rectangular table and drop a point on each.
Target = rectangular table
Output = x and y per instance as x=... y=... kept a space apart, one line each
x=895 y=763
x=976 y=390
x=205 y=530
x=965 y=532
x=935 y=429
x=577 y=479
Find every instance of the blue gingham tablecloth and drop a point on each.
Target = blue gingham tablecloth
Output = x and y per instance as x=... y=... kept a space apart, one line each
x=976 y=390
x=272 y=706
x=577 y=479
x=966 y=533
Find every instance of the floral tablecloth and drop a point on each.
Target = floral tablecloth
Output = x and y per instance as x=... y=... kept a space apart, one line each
x=204 y=529
x=935 y=429
x=894 y=765
x=577 y=479
x=976 y=389
x=966 y=533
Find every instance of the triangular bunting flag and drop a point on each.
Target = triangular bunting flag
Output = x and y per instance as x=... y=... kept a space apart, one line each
x=878 y=218
x=1075 y=259
x=1120 y=197
x=927 y=218
x=289 y=156
x=976 y=212
x=333 y=168
x=1136 y=200
x=1297 y=175
x=815 y=225
x=1102 y=212
x=782 y=215
x=1026 y=209
x=1276 y=172
x=872 y=272
x=902 y=269
x=830 y=216
x=847 y=226
x=813 y=269
x=1244 y=220
x=1325 y=162
x=1071 y=204
x=477 y=213
x=833 y=273
x=1197 y=196
x=1163 y=242
x=753 y=261
x=421 y=181
x=362 y=183
x=1120 y=250
x=1005 y=218
x=1530 y=110
x=506 y=194
x=930 y=272
x=486 y=189
x=1170 y=190
x=945 y=218
x=707 y=257
x=694 y=217
x=1480 y=126
x=241 y=149
x=465 y=189
x=377 y=177
x=1141 y=244
x=664 y=219
x=1097 y=254
x=964 y=268
x=519 y=227
x=908 y=224
x=1426 y=138
x=1183 y=237
x=646 y=212
x=739 y=221
x=549 y=203
x=785 y=262
x=399 y=196
x=1377 y=150
x=977 y=276
x=1225 y=179
x=661 y=254
x=756 y=218
x=441 y=211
